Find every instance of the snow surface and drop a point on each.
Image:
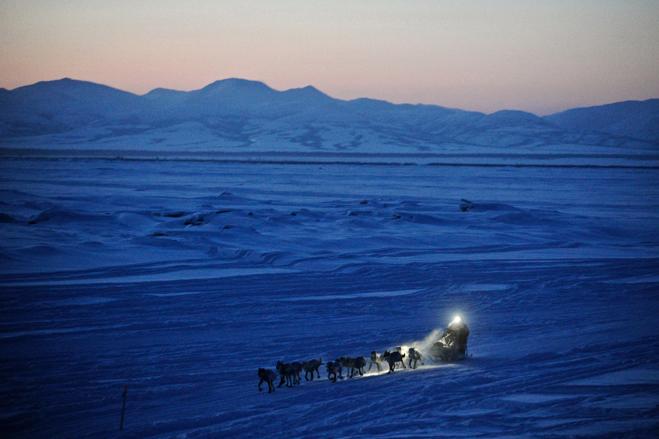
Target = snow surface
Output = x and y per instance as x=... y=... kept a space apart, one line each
x=181 y=277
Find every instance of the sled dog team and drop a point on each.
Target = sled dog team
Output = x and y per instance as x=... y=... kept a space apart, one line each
x=289 y=373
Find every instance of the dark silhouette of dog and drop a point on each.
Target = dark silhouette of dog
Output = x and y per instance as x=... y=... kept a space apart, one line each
x=360 y=364
x=356 y=365
x=339 y=367
x=345 y=362
x=375 y=359
x=268 y=376
x=297 y=368
x=414 y=356
x=287 y=373
x=333 y=371
x=310 y=367
x=392 y=358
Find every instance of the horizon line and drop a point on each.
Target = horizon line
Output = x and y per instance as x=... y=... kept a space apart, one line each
x=68 y=78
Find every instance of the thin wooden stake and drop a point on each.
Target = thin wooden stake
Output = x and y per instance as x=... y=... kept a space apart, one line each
x=123 y=407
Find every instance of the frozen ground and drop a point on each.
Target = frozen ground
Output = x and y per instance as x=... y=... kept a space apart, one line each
x=180 y=278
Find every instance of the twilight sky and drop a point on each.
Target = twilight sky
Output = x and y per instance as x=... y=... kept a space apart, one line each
x=540 y=56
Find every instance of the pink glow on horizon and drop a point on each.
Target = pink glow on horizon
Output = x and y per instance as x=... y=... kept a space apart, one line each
x=542 y=56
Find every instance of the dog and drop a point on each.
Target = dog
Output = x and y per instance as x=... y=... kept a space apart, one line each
x=392 y=358
x=413 y=357
x=297 y=368
x=356 y=365
x=375 y=359
x=310 y=367
x=269 y=377
x=287 y=373
x=345 y=362
x=333 y=371
x=360 y=364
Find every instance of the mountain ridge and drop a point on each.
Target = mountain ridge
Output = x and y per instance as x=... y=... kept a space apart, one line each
x=309 y=86
x=241 y=113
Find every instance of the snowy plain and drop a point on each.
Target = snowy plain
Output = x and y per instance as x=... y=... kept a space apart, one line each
x=179 y=278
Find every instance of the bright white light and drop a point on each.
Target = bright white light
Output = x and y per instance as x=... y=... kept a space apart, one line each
x=456 y=320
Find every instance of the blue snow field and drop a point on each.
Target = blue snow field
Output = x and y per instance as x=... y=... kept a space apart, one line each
x=180 y=278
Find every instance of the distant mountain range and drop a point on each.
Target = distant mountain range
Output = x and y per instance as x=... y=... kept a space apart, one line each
x=242 y=115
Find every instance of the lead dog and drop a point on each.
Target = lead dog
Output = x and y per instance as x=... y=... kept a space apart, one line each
x=269 y=377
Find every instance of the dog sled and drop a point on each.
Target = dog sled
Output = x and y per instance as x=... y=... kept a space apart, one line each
x=452 y=345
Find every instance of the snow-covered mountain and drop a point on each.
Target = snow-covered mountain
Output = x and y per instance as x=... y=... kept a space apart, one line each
x=238 y=114
x=635 y=119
